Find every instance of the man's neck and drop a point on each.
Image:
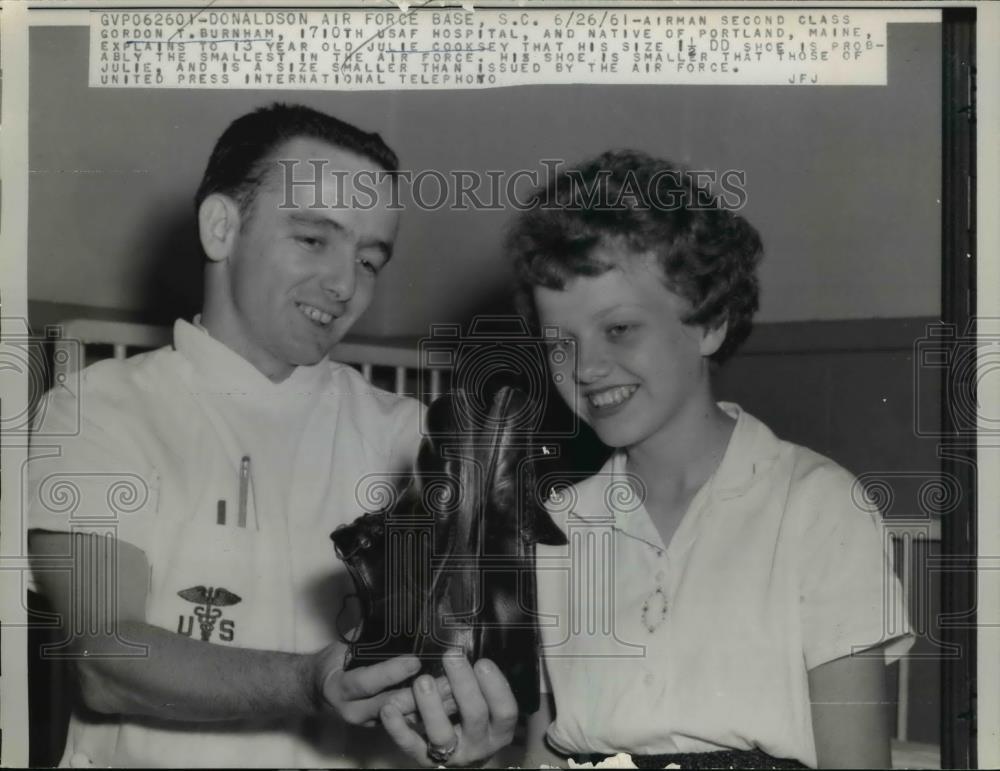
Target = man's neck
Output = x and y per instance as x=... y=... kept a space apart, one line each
x=217 y=327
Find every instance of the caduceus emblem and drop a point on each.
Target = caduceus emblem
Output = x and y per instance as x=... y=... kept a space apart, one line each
x=209 y=602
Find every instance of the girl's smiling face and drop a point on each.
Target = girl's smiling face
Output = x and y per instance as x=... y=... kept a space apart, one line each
x=630 y=366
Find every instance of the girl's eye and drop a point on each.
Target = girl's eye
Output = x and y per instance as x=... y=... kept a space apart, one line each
x=619 y=330
x=368 y=265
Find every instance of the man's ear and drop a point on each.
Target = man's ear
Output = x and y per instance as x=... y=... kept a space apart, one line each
x=218 y=226
x=713 y=337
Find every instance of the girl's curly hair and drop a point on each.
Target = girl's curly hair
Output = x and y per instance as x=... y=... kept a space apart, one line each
x=707 y=254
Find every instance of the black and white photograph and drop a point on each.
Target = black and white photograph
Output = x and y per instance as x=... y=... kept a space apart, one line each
x=439 y=384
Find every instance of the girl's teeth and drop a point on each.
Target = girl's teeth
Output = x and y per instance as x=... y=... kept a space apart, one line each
x=612 y=396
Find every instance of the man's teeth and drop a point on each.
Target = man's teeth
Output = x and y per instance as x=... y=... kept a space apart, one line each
x=320 y=317
x=611 y=396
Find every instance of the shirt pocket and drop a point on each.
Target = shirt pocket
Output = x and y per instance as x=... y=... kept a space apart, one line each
x=209 y=582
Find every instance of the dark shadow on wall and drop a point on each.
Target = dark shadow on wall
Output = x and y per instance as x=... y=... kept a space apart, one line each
x=170 y=285
x=174 y=284
x=51 y=690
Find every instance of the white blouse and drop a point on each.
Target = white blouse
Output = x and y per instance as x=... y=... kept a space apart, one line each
x=779 y=565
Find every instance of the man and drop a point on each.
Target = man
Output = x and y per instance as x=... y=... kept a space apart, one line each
x=203 y=601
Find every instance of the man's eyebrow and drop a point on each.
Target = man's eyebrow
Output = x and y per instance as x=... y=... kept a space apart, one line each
x=307 y=218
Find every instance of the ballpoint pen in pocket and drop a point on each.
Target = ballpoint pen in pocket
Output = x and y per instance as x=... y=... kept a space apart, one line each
x=244 y=487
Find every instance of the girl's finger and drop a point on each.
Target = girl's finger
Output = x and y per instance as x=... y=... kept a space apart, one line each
x=405 y=737
x=499 y=697
x=465 y=689
x=437 y=725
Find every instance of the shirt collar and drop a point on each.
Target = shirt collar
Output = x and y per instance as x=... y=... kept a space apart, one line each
x=752 y=450
x=225 y=369
x=610 y=494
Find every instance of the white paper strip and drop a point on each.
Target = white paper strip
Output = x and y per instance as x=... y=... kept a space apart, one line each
x=486 y=48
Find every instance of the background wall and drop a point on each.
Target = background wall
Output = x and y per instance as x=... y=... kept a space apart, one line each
x=842 y=181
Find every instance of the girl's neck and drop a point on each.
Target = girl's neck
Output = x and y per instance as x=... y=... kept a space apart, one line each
x=680 y=458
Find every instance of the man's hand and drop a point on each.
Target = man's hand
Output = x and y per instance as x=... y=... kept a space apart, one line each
x=358 y=695
x=485 y=702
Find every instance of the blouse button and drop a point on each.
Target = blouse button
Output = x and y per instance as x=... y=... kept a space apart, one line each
x=659 y=575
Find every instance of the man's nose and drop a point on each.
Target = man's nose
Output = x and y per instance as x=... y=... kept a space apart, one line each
x=339 y=275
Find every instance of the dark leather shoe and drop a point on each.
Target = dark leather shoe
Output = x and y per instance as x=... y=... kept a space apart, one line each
x=451 y=563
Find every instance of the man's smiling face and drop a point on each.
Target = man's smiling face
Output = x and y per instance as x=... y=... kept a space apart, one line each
x=299 y=276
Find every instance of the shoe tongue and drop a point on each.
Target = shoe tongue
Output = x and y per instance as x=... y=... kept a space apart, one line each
x=542 y=529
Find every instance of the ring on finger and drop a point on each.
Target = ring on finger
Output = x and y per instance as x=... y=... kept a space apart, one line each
x=441 y=753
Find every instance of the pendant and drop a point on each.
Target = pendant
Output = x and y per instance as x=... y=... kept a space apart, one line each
x=654 y=610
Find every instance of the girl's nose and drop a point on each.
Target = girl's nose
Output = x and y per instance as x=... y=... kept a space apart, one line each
x=592 y=364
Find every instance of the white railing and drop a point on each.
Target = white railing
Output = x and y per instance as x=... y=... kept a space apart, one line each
x=125 y=338
x=909 y=536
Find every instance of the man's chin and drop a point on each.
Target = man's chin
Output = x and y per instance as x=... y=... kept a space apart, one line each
x=306 y=352
x=311 y=359
x=312 y=355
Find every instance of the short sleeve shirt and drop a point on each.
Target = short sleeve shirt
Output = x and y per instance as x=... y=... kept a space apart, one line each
x=150 y=452
x=779 y=565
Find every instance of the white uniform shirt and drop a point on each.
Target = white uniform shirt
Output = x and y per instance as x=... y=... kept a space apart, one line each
x=160 y=441
x=778 y=566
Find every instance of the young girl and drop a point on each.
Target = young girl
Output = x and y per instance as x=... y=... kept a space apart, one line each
x=723 y=591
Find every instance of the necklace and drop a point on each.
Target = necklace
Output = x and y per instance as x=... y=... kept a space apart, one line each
x=626 y=533
x=654 y=609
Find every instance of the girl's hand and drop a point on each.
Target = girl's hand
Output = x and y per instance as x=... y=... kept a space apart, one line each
x=486 y=705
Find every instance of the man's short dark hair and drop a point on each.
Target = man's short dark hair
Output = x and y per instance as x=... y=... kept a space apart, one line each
x=239 y=163
x=706 y=253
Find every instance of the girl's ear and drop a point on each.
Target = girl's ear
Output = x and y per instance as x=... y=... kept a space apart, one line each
x=218 y=226
x=712 y=338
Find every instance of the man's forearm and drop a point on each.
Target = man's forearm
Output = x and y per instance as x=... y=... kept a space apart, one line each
x=185 y=679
